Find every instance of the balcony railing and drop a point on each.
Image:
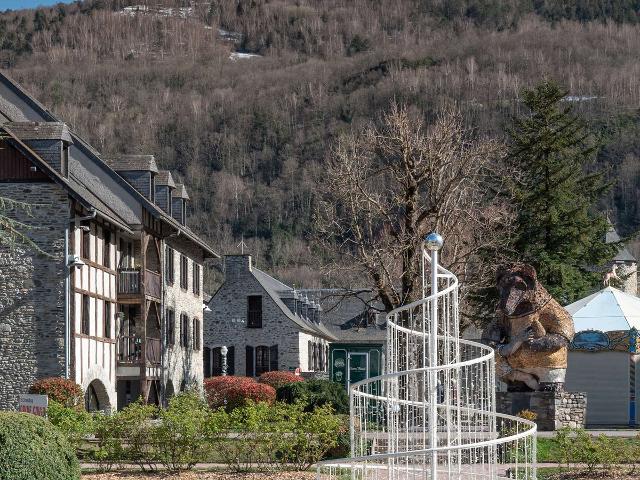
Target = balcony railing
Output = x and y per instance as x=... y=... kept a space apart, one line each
x=130 y=349
x=129 y=281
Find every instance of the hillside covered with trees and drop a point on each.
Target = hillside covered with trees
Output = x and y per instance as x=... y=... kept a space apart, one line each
x=243 y=99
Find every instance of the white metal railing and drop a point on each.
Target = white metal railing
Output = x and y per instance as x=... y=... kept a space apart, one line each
x=432 y=415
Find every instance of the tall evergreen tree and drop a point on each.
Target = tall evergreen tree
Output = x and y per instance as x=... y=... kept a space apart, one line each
x=558 y=229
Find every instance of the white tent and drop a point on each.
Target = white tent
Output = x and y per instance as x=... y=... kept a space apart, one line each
x=606 y=374
x=608 y=310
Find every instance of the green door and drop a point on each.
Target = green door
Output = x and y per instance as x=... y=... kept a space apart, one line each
x=358 y=367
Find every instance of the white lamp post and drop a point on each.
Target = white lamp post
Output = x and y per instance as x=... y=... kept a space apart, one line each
x=224 y=350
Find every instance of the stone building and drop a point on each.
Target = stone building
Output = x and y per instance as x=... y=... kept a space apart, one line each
x=265 y=325
x=626 y=265
x=114 y=302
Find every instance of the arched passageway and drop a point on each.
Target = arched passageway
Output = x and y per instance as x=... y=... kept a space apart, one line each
x=96 y=397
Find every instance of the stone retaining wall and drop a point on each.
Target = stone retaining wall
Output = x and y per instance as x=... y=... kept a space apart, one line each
x=554 y=410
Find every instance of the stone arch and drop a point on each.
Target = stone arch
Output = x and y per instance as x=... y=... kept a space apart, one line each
x=96 y=397
x=102 y=388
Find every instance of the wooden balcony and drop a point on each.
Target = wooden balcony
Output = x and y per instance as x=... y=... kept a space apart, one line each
x=130 y=350
x=131 y=280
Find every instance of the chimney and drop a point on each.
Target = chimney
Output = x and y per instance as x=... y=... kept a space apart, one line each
x=179 y=199
x=139 y=170
x=235 y=266
x=164 y=186
x=50 y=140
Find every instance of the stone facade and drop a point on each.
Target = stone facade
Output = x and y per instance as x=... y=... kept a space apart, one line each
x=628 y=274
x=226 y=323
x=32 y=292
x=183 y=365
x=554 y=410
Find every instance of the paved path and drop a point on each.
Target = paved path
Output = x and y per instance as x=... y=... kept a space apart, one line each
x=622 y=433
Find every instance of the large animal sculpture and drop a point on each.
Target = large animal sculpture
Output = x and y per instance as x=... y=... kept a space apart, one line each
x=531 y=332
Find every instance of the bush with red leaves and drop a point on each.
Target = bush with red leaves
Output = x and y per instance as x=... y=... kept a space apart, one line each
x=277 y=379
x=61 y=390
x=231 y=392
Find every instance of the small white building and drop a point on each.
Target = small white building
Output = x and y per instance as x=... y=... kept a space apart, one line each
x=603 y=359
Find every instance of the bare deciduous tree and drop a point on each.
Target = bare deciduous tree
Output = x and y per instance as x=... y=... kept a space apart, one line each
x=387 y=187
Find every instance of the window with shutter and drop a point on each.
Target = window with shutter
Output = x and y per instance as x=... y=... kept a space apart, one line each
x=217 y=361
x=170 y=318
x=231 y=365
x=107 y=319
x=184 y=269
x=168 y=265
x=86 y=311
x=206 y=361
x=85 y=247
x=273 y=358
x=196 y=278
x=196 y=334
x=249 y=370
x=106 y=249
x=310 y=356
x=184 y=330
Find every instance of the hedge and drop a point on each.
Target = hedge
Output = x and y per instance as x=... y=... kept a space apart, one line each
x=316 y=393
x=31 y=448
x=232 y=392
x=277 y=379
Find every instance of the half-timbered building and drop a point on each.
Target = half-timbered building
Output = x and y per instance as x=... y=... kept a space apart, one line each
x=111 y=296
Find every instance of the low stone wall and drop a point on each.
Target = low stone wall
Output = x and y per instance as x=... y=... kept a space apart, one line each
x=554 y=410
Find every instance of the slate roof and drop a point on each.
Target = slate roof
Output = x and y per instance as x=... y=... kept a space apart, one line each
x=274 y=289
x=84 y=186
x=347 y=317
x=73 y=187
x=164 y=177
x=623 y=255
x=40 y=131
x=180 y=192
x=132 y=163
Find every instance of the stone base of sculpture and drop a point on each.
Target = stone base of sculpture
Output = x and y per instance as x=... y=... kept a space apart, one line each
x=554 y=410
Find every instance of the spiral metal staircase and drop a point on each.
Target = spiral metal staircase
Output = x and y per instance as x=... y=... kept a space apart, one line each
x=433 y=414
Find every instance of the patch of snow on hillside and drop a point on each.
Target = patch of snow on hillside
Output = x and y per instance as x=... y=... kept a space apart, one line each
x=133 y=10
x=243 y=56
x=234 y=37
x=578 y=98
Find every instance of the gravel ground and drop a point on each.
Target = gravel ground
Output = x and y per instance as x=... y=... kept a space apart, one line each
x=200 y=476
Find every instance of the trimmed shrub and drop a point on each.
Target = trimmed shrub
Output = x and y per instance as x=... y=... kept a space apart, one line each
x=231 y=392
x=277 y=379
x=31 y=448
x=64 y=391
x=74 y=422
x=182 y=434
x=266 y=437
x=316 y=393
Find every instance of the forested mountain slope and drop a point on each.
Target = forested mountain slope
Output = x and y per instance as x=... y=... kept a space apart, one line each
x=249 y=134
